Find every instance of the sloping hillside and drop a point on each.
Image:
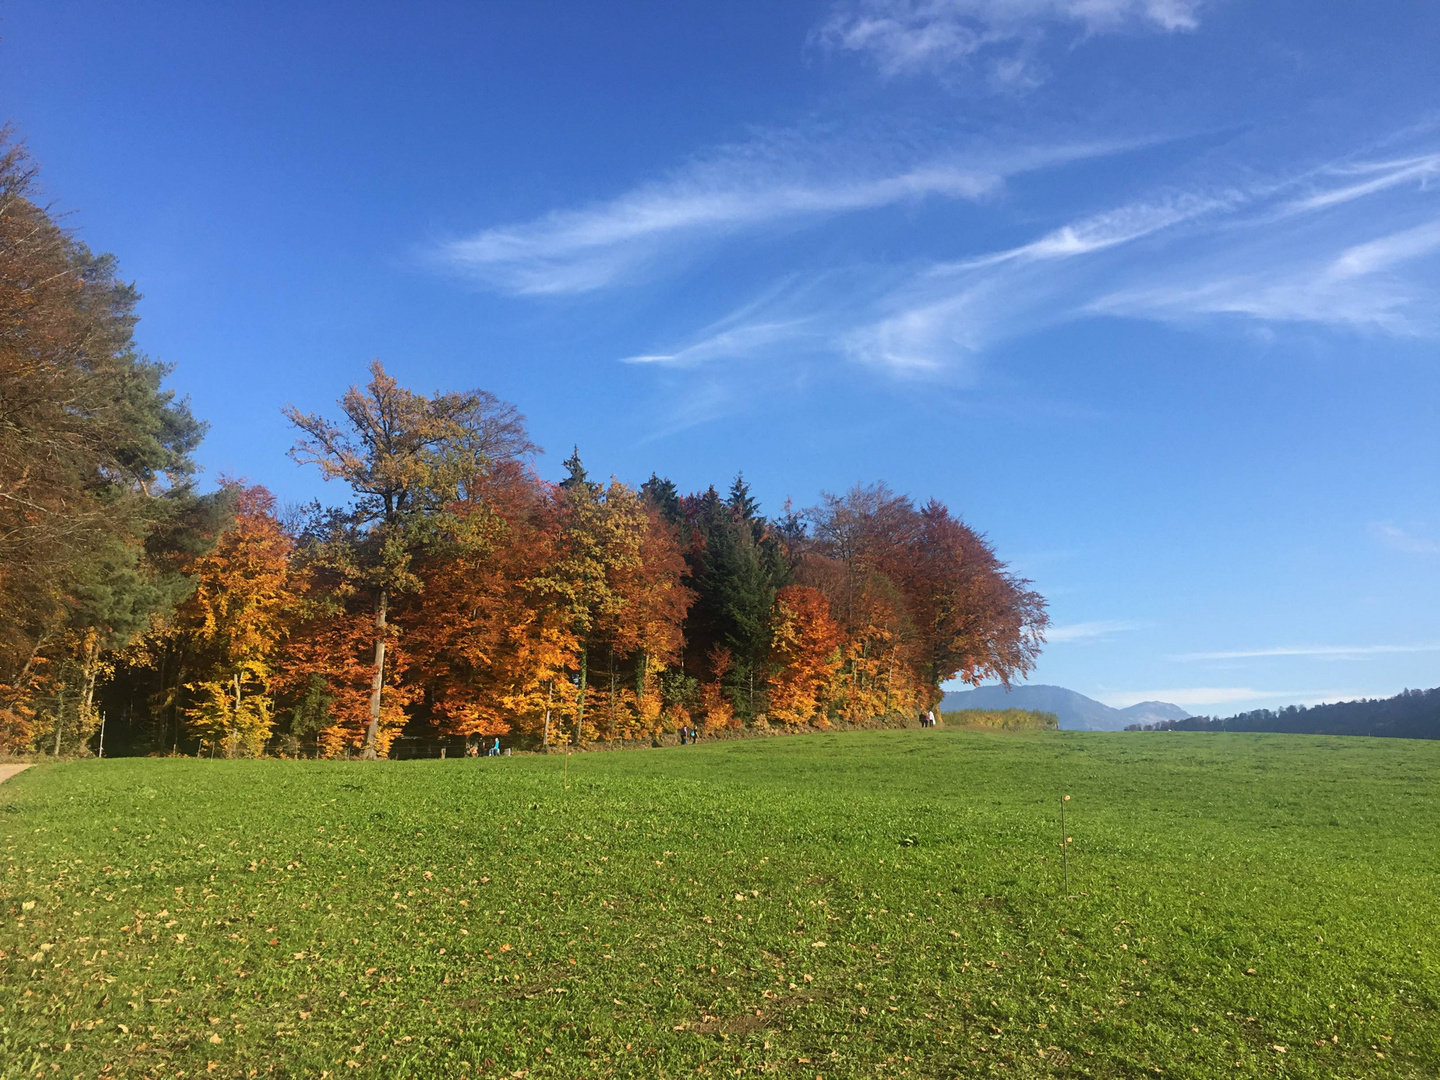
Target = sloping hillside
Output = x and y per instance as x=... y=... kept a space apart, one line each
x=1076 y=711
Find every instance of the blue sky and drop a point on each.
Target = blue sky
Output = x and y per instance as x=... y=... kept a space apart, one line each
x=1146 y=289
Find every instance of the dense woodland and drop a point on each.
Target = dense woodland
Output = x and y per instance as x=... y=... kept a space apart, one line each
x=450 y=591
x=1410 y=714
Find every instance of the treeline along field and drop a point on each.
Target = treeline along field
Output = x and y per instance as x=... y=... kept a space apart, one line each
x=1410 y=714
x=837 y=905
x=450 y=591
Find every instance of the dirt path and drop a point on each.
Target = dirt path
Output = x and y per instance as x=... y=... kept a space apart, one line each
x=7 y=771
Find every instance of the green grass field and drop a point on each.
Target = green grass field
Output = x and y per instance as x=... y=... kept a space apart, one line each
x=863 y=904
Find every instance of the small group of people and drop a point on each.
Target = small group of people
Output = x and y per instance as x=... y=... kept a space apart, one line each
x=927 y=718
x=479 y=750
x=688 y=735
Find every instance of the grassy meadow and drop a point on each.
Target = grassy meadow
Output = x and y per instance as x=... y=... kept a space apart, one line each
x=867 y=904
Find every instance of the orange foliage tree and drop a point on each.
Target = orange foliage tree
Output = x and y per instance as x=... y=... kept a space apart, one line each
x=805 y=656
x=326 y=672
x=487 y=647
x=405 y=457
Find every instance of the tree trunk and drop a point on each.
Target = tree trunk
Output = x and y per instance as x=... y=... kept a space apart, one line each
x=230 y=741
x=174 y=698
x=372 y=733
x=580 y=704
x=92 y=667
x=612 y=693
x=545 y=738
x=59 y=719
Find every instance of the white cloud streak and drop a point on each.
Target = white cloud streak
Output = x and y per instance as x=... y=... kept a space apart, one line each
x=574 y=251
x=1219 y=695
x=1383 y=176
x=941 y=315
x=1091 y=631
x=1328 y=652
x=1350 y=288
x=1392 y=536
x=956 y=309
x=910 y=37
x=1102 y=231
x=1387 y=252
x=738 y=341
x=1342 y=245
x=784 y=178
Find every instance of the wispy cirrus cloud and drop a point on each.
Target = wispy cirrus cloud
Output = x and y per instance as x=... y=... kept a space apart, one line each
x=1327 y=652
x=1386 y=252
x=935 y=321
x=783 y=177
x=574 y=251
x=1091 y=631
x=1381 y=176
x=910 y=37
x=1235 y=251
x=1353 y=287
x=1392 y=536
x=955 y=309
x=1349 y=243
x=1221 y=696
x=1255 y=252
x=1104 y=230
x=729 y=343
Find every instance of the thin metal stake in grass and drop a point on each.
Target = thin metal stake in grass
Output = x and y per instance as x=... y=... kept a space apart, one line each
x=1065 y=846
x=565 y=778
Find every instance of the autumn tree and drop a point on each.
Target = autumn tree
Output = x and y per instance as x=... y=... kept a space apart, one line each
x=454 y=591
x=598 y=576
x=923 y=588
x=804 y=656
x=234 y=626
x=95 y=464
x=976 y=620
x=487 y=644
x=855 y=541
x=654 y=603
x=405 y=458
x=325 y=674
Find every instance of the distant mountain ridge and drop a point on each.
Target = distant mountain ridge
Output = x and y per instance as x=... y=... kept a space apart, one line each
x=1154 y=712
x=1076 y=711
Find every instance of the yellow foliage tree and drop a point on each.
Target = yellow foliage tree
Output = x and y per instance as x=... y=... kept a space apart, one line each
x=234 y=626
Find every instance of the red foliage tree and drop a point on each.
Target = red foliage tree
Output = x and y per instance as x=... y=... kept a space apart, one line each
x=484 y=641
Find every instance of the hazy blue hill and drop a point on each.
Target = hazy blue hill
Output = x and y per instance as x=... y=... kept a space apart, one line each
x=1153 y=712
x=1076 y=711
